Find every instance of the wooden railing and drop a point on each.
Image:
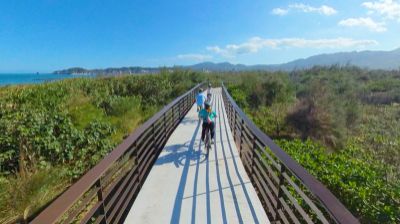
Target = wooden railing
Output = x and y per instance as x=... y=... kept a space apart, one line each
x=105 y=192
x=288 y=192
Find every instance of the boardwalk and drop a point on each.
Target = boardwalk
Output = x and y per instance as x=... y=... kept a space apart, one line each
x=185 y=187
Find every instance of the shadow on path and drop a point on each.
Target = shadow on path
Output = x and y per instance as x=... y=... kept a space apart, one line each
x=242 y=183
x=188 y=154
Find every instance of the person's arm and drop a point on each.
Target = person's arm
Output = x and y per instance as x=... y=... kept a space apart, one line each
x=215 y=114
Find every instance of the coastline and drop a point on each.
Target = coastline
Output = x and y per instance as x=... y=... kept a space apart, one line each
x=7 y=79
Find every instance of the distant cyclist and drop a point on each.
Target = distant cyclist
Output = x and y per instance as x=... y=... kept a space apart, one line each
x=209 y=97
x=209 y=88
x=208 y=116
x=200 y=99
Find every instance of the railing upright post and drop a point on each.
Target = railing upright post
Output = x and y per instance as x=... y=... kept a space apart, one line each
x=180 y=109
x=135 y=155
x=241 y=138
x=188 y=104
x=136 y=162
x=165 y=125
x=280 y=191
x=179 y=113
x=185 y=105
x=253 y=152
x=183 y=108
x=228 y=105
x=189 y=100
x=173 y=115
x=153 y=138
x=230 y=115
x=234 y=125
x=229 y=111
x=192 y=98
x=101 y=199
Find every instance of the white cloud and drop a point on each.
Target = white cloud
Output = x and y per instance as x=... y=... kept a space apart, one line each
x=194 y=57
x=256 y=44
x=324 y=9
x=389 y=9
x=364 y=22
x=279 y=11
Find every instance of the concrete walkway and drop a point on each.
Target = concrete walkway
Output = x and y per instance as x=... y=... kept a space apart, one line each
x=186 y=187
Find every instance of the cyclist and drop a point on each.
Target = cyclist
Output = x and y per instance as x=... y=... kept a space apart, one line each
x=209 y=88
x=208 y=100
x=200 y=100
x=208 y=116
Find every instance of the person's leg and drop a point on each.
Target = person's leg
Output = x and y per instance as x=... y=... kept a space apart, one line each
x=203 y=131
x=212 y=130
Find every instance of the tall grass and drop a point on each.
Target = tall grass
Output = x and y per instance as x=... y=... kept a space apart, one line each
x=22 y=196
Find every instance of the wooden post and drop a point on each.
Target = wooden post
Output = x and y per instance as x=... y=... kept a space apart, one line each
x=153 y=138
x=234 y=125
x=253 y=152
x=241 y=139
x=101 y=199
x=280 y=191
x=165 y=125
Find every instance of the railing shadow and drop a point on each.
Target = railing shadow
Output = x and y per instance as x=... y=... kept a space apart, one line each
x=179 y=154
x=242 y=183
x=188 y=154
x=189 y=121
x=184 y=158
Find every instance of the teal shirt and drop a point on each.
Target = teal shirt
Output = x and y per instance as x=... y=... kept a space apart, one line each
x=204 y=115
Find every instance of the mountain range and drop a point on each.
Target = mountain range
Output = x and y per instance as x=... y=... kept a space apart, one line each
x=386 y=60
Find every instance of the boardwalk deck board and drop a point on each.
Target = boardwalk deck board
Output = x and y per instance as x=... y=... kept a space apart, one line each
x=185 y=187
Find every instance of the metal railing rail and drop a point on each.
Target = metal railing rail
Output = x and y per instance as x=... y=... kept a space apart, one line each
x=105 y=192
x=288 y=192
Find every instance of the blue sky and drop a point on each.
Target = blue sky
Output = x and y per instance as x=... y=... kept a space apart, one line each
x=45 y=35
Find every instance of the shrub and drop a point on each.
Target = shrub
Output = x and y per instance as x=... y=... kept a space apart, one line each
x=319 y=115
x=359 y=183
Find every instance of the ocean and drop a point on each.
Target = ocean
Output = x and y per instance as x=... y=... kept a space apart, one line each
x=31 y=78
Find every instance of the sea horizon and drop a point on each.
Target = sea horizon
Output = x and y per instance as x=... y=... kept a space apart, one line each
x=33 y=78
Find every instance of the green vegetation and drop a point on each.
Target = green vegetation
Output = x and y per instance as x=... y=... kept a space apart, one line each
x=53 y=133
x=341 y=123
